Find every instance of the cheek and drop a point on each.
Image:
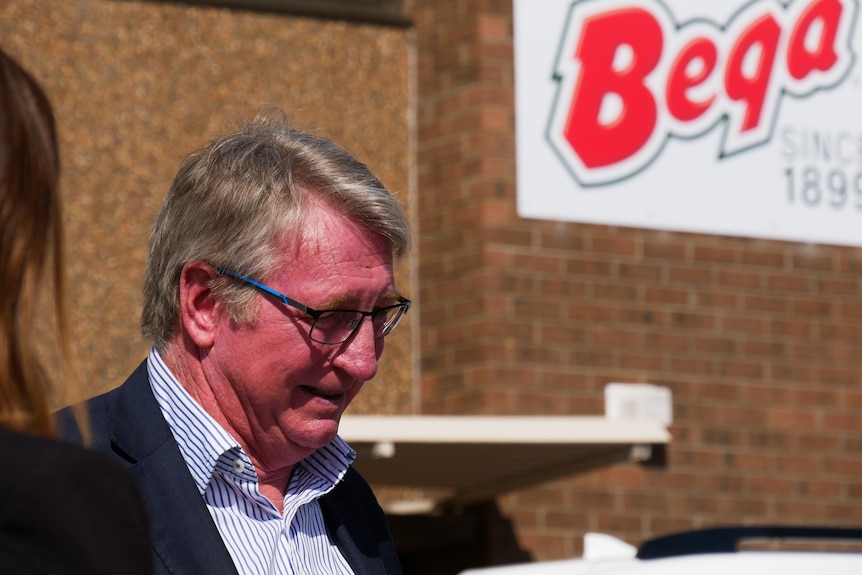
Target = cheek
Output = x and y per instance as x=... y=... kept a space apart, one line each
x=268 y=361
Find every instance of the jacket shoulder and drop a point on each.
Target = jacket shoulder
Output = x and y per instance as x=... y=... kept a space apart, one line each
x=100 y=411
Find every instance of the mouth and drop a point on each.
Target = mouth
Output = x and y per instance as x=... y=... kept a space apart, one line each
x=322 y=394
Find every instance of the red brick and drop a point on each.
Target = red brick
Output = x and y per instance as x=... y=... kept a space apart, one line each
x=715 y=254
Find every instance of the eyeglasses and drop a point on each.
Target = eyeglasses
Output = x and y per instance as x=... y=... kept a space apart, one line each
x=334 y=326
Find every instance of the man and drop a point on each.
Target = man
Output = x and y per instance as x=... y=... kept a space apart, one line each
x=268 y=292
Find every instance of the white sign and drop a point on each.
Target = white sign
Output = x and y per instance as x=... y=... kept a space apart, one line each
x=732 y=117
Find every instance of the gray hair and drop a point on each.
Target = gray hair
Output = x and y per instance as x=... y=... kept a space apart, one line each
x=231 y=202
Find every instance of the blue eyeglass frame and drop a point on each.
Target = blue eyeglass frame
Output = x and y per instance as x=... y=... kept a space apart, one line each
x=315 y=314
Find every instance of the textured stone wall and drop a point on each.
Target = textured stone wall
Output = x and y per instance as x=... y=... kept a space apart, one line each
x=136 y=86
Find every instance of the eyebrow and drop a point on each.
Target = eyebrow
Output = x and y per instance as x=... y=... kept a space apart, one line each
x=345 y=302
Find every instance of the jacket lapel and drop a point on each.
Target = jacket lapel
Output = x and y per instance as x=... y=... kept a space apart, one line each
x=185 y=539
x=357 y=525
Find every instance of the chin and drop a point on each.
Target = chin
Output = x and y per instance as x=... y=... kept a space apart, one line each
x=318 y=434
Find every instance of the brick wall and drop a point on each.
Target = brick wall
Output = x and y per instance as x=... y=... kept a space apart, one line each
x=760 y=341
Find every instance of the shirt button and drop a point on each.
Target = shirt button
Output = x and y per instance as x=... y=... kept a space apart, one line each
x=238 y=465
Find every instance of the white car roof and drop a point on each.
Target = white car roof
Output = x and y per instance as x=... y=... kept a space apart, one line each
x=739 y=563
x=700 y=552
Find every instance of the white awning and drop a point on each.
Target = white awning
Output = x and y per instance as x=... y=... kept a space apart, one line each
x=471 y=458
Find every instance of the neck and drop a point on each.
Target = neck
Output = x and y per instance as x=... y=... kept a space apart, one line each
x=273 y=486
x=272 y=480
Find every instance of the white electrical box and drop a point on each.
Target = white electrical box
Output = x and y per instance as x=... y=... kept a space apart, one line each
x=638 y=401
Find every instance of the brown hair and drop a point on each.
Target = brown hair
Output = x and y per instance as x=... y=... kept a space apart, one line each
x=31 y=233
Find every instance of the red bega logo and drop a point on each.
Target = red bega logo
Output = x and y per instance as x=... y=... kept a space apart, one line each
x=630 y=77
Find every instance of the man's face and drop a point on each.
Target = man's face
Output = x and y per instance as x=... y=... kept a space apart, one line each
x=277 y=390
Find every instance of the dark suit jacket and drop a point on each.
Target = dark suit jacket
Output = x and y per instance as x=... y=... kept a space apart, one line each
x=128 y=424
x=66 y=510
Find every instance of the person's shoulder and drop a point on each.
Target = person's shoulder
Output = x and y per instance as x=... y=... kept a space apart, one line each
x=73 y=510
x=97 y=411
x=45 y=460
x=64 y=477
x=25 y=450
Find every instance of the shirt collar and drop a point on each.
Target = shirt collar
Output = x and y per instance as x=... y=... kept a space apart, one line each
x=202 y=441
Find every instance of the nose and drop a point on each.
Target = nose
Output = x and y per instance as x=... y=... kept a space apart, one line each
x=358 y=356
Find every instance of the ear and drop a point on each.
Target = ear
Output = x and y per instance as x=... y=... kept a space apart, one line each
x=199 y=309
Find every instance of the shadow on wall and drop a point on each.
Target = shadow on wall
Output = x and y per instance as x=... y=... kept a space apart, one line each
x=455 y=539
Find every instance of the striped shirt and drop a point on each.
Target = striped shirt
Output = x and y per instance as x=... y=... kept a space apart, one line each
x=261 y=540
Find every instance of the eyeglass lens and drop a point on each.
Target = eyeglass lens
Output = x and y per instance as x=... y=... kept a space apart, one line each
x=337 y=326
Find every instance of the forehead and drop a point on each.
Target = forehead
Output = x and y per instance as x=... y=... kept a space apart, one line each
x=325 y=231
x=332 y=245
